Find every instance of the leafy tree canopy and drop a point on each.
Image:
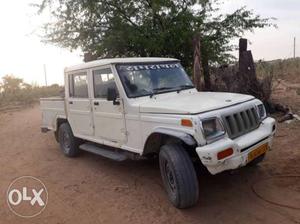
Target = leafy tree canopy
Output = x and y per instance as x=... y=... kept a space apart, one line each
x=116 y=28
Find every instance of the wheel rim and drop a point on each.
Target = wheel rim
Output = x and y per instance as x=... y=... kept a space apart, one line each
x=170 y=177
x=66 y=141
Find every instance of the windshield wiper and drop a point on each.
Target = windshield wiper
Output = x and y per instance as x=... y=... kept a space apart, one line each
x=183 y=87
x=186 y=86
x=159 y=90
x=162 y=88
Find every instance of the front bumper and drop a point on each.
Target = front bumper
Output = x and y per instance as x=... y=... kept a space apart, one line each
x=241 y=147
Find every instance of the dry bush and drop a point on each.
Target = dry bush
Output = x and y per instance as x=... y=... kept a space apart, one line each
x=227 y=79
x=288 y=69
x=14 y=91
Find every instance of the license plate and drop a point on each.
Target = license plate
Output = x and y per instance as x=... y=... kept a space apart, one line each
x=257 y=152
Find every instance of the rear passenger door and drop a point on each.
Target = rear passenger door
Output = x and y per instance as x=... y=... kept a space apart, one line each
x=109 y=119
x=79 y=104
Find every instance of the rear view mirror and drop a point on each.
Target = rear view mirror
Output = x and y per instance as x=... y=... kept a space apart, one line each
x=112 y=95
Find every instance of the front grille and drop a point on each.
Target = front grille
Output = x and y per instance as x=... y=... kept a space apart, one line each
x=240 y=123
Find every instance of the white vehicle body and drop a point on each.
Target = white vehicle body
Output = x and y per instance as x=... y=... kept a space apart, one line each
x=134 y=123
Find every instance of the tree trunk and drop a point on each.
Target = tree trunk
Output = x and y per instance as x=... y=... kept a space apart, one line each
x=247 y=75
x=206 y=73
x=197 y=62
x=89 y=57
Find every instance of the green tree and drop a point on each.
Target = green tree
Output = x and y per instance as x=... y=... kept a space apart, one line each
x=116 y=28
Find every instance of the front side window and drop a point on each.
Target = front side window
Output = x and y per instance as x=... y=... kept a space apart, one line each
x=79 y=85
x=153 y=78
x=103 y=79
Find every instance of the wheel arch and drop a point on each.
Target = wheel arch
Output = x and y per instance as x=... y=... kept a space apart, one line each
x=162 y=136
x=60 y=121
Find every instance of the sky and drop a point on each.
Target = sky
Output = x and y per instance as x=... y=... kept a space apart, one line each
x=272 y=43
x=25 y=56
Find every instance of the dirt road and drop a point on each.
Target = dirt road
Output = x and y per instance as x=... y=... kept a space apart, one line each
x=91 y=189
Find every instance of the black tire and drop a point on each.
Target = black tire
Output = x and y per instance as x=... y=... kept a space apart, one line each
x=68 y=143
x=257 y=160
x=179 y=176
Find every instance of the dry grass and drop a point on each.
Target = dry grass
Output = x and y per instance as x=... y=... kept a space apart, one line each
x=286 y=81
x=287 y=69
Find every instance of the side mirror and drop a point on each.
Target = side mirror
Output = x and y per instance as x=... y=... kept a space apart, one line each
x=112 y=95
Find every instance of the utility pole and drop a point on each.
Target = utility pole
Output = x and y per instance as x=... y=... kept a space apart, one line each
x=45 y=73
x=294 y=47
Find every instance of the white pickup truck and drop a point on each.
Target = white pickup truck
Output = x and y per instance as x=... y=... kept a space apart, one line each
x=133 y=108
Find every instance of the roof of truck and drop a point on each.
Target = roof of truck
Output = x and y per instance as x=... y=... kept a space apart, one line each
x=108 y=61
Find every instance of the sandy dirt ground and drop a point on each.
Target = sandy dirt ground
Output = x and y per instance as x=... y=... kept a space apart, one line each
x=92 y=189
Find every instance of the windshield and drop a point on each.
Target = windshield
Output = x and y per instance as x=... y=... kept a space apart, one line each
x=153 y=78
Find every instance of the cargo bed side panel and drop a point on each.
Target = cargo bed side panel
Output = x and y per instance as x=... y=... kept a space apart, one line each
x=52 y=109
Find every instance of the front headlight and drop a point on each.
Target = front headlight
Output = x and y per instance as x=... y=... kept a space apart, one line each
x=261 y=111
x=212 y=128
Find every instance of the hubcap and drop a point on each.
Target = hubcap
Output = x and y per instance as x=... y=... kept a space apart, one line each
x=66 y=141
x=170 y=177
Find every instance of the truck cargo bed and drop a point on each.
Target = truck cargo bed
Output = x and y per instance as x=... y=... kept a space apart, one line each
x=52 y=108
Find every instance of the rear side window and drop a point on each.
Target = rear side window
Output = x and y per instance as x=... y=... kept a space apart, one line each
x=103 y=79
x=79 y=85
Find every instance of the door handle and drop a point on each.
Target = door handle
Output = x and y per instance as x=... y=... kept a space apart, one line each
x=96 y=103
x=70 y=102
x=116 y=102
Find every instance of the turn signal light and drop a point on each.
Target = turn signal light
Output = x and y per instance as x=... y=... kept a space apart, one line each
x=225 y=153
x=186 y=122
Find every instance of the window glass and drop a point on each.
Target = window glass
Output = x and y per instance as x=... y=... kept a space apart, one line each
x=71 y=86
x=103 y=79
x=79 y=86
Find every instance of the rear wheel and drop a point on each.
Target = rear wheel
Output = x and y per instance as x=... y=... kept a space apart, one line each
x=179 y=176
x=68 y=143
x=56 y=136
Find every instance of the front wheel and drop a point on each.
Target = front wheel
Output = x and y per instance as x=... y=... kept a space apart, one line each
x=179 y=176
x=68 y=143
